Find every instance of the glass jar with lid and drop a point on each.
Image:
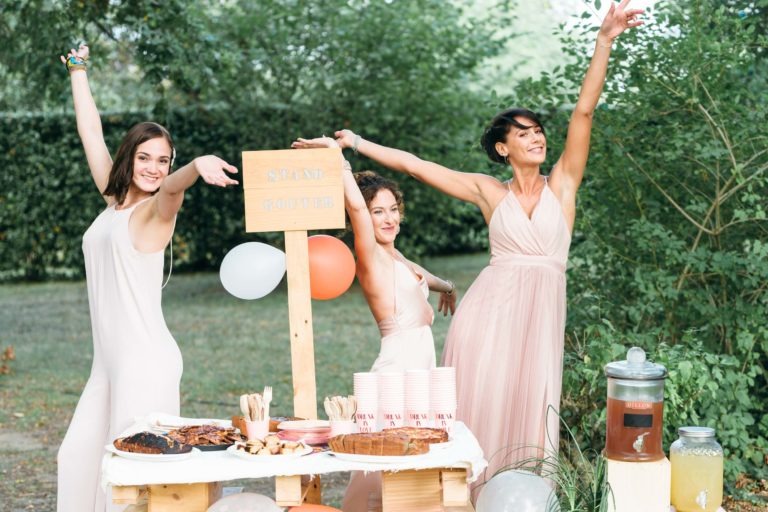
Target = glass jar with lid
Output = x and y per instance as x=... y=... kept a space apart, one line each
x=635 y=411
x=697 y=470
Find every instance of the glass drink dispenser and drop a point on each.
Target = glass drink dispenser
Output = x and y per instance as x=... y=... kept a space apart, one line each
x=635 y=408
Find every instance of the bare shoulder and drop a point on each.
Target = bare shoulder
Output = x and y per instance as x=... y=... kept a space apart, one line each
x=493 y=191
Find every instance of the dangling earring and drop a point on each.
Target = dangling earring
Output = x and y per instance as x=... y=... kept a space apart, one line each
x=506 y=159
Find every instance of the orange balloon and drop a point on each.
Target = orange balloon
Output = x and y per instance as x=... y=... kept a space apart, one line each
x=313 y=508
x=331 y=267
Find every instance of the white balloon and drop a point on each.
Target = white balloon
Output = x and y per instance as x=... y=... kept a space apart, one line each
x=252 y=270
x=517 y=491
x=245 y=502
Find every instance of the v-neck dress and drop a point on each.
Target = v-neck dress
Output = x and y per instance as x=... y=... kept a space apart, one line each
x=506 y=338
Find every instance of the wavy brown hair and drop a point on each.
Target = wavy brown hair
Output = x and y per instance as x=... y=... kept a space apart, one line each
x=121 y=174
x=371 y=183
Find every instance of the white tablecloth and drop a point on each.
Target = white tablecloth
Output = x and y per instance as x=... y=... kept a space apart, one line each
x=219 y=466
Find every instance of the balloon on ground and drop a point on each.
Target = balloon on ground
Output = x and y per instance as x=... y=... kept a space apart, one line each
x=517 y=491
x=331 y=267
x=252 y=270
x=245 y=502
x=313 y=508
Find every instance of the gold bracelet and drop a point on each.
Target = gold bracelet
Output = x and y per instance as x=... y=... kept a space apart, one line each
x=453 y=287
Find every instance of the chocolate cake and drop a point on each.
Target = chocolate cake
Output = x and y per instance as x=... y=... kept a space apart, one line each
x=147 y=442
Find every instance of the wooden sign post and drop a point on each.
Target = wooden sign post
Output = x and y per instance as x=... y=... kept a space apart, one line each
x=296 y=190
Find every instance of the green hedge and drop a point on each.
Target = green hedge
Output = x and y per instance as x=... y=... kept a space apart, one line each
x=48 y=199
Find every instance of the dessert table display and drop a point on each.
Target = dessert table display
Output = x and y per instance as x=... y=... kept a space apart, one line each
x=433 y=481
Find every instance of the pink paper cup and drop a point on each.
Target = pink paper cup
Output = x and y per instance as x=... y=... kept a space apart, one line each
x=339 y=427
x=256 y=429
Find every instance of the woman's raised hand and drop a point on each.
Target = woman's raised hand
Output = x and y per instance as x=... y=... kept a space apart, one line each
x=212 y=169
x=82 y=53
x=319 y=142
x=618 y=19
x=345 y=138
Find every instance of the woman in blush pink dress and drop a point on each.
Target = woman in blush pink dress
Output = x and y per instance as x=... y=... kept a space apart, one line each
x=395 y=288
x=506 y=340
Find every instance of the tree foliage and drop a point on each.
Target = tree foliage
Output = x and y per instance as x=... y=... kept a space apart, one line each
x=232 y=76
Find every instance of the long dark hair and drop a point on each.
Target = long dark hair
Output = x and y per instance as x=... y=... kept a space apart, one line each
x=121 y=174
x=499 y=128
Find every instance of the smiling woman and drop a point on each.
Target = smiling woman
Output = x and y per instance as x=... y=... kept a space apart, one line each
x=506 y=340
x=136 y=364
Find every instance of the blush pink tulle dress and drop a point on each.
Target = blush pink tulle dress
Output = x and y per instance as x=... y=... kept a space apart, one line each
x=506 y=339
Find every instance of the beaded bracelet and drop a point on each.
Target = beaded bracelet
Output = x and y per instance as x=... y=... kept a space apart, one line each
x=74 y=63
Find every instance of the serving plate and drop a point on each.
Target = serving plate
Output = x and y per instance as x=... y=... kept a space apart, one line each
x=152 y=457
x=305 y=425
x=242 y=454
x=377 y=459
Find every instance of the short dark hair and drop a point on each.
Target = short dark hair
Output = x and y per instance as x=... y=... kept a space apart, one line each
x=499 y=128
x=370 y=183
x=121 y=174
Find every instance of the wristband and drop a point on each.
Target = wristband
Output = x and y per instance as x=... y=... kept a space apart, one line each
x=356 y=143
x=75 y=63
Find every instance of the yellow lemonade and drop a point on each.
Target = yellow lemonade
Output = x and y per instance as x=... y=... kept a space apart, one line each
x=697 y=481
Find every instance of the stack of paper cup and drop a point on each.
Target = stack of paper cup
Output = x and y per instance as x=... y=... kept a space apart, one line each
x=392 y=399
x=442 y=396
x=417 y=398
x=367 y=395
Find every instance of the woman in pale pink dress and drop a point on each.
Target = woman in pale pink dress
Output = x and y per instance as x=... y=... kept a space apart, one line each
x=136 y=362
x=506 y=340
x=395 y=288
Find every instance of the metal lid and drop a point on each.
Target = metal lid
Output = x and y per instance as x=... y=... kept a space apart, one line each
x=696 y=432
x=635 y=367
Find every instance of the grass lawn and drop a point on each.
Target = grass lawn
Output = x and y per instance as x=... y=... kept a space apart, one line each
x=230 y=347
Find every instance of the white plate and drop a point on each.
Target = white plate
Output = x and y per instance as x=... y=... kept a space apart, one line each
x=305 y=425
x=377 y=459
x=267 y=458
x=441 y=446
x=153 y=457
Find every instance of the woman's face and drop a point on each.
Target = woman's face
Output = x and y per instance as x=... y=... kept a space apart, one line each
x=524 y=147
x=385 y=215
x=151 y=164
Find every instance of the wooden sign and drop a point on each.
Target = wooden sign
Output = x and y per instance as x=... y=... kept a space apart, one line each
x=293 y=190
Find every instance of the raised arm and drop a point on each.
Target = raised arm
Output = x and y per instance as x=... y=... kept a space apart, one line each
x=470 y=187
x=359 y=216
x=211 y=168
x=569 y=170
x=88 y=120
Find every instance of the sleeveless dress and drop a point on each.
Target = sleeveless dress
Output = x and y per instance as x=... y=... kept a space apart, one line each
x=406 y=336
x=406 y=344
x=136 y=366
x=506 y=338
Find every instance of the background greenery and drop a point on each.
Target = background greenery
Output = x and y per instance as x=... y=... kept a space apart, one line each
x=670 y=250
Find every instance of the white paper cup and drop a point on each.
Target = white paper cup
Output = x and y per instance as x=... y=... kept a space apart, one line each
x=367 y=421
